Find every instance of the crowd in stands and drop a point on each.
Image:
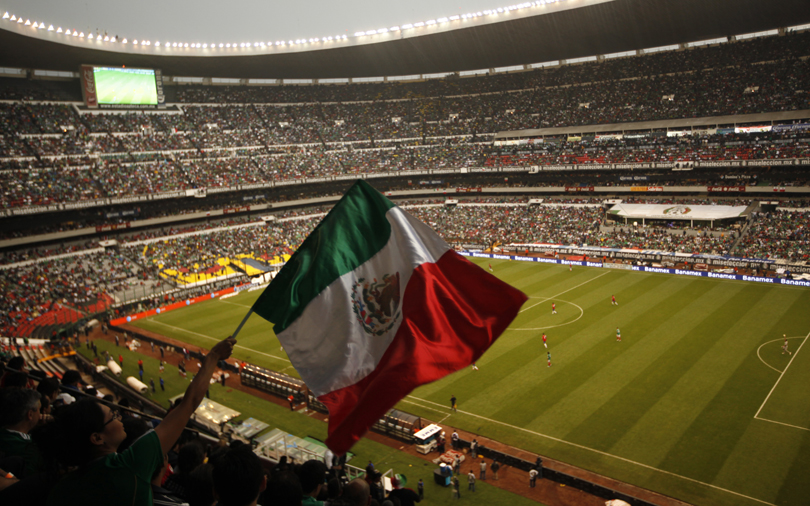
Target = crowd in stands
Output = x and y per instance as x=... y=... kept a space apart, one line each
x=184 y=170
x=75 y=281
x=63 y=443
x=744 y=52
x=666 y=239
x=728 y=79
x=654 y=148
x=206 y=253
x=72 y=448
x=781 y=234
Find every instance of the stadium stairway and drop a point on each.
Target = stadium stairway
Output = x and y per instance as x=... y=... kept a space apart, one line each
x=747 y=213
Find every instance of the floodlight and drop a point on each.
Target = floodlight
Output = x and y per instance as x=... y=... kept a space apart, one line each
x=50 y=28
x=407 y=26
x=81 y=34
x=442 y=20
x=75 y=33
x=382 y=30
x=394 y=28
x=19 y=20
x=6 y=16
x=454 y=18
x=124 y=41
x=27 y=22
x=419 y=24
x=359 y=34
x=135 y=41
x=13 y=18
x=90 y=36
x=59 y=30
x=185 y=45
x=157 y=43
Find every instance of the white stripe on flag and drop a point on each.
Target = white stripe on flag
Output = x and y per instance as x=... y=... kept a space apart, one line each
x=327 y=344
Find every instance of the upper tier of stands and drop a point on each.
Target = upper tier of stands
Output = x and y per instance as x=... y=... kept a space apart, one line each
x=744 y=52
x=52 y=152
x=179 y=171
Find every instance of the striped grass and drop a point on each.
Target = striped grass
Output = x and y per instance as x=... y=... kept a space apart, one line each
x=671 y=407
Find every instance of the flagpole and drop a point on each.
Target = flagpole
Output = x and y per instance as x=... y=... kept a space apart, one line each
x=243 y=323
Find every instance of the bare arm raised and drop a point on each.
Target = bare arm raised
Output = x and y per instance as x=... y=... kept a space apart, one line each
x=173 y=424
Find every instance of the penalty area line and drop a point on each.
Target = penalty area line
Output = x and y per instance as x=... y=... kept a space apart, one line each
x=782 y=423
x=781 y=376
x=593 y=450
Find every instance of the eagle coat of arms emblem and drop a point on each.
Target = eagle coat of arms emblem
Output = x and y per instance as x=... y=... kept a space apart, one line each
x=375 y=303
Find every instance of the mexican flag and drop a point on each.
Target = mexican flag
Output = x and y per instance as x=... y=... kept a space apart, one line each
x=374 y=304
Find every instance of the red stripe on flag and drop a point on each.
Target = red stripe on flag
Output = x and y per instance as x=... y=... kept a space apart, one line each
x=452 y=313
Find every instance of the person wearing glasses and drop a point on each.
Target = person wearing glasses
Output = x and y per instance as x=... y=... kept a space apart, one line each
x=86 y=435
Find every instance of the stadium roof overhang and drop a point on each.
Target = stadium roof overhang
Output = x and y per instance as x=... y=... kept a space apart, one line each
x=582 y=28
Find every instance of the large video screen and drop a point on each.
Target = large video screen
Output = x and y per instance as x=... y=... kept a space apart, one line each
x=121 y=87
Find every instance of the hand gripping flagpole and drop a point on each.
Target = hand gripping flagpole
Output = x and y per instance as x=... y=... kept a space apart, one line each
x=250 y=312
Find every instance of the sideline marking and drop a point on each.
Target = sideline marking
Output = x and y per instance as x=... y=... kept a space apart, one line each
x=756 y=416
x=554 y=296
x=558 y=440
x=218 y=340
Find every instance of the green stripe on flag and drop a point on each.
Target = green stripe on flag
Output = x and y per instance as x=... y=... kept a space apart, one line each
x=353 y=232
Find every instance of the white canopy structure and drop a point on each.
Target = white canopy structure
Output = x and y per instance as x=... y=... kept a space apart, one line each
x=676 y=212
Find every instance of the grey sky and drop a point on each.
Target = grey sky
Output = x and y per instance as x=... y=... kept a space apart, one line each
x=236 y=20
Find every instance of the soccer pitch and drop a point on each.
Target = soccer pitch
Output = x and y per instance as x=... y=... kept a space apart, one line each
x=697 y=401
x=125 y=87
